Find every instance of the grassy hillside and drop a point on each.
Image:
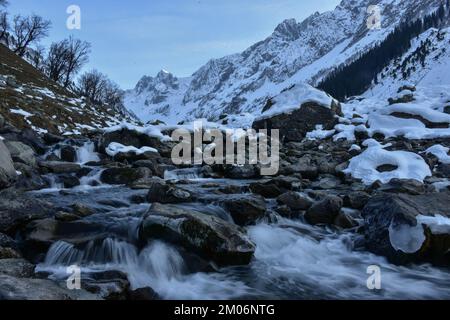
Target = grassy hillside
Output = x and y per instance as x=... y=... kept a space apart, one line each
x=28 y=99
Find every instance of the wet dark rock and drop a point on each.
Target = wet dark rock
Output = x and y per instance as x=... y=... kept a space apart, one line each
x=442 y=170
x=66 y=216
x=124 y=175
x=17 y=209
x=109 y=285
x=356 y=200
x=304 y=166
x=409 y=186
x=203 y=233
x=150 y=164
x=160 y=169
x=241 y=172
x=69 y=181
x=81 y=210
x=325 y=211
x=51 y=139
x=387 y=215
x=327 y=182
x=295 y=125
x=9 y=253
x=345 y=221
x=52 y=157
x=143 y=294
x=232 y=189
x=60 y=167
x=29 y=178
x=162 y=192
x=295 y=201
x=246 y=210
x=68 y=154
x=19 y=268
x=15 y=288
x=113 y=203
x=39 y=235
x=84 y=171
x=266 y=189
x=7 y=242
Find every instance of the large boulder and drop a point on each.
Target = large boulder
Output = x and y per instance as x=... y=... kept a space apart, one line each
x=136 y=139
x=17 y=209
x=68 y=153
x=294 y=125
x=205 y=234
x=60 y=166
x=407 y=228
x=7 y=171
x=246 y=210
x=295 y=201
x=409 y=186
x=125 y=175
x=22 y=153
x=325 y=211
x=15 y=288
x=162 y=192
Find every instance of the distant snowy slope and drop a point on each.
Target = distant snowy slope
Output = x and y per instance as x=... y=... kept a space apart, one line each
x=427 y=63
x=295 y=52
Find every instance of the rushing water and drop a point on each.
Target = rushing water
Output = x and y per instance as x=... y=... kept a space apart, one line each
x=293 y=260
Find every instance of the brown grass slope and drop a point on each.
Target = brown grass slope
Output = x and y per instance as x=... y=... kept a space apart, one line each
x=52 y=108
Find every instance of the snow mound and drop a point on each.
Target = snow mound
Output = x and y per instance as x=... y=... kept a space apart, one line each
x=440 y=152
x=437 y=224
x=150 y=130
x=408 y=165
x=293 y=98
x=319 y=133
x=115 y=148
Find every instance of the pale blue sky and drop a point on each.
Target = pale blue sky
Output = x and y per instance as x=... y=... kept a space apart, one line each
x=140 y=37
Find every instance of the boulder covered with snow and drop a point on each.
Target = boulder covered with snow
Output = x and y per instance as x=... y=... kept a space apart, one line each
x=7 y=172
x=297 y=111
x=406 y=228
x=143 y=139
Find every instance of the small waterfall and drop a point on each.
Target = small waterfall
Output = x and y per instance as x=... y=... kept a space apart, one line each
x=54 y=185
x=86 y=153
x=91 y=180
x=183 y=174
x=159 y=266
x=108 y=252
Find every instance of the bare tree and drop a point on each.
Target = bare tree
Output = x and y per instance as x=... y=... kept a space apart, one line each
x=37 y=59
x=3 y=3
x=92 y=85
x=4 y=27
x=112 y=94
x=28 y=30
x=55 y=64
x=77 y=55
x=65 y=59
x=100 y=90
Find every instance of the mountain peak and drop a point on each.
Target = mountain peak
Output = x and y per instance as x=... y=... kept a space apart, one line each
x=288 y=29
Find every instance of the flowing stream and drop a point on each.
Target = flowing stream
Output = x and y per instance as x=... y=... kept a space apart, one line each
x=293 y=260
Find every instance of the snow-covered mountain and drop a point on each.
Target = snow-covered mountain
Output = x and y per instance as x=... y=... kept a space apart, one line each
x=427 y=63
x=294 y=52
